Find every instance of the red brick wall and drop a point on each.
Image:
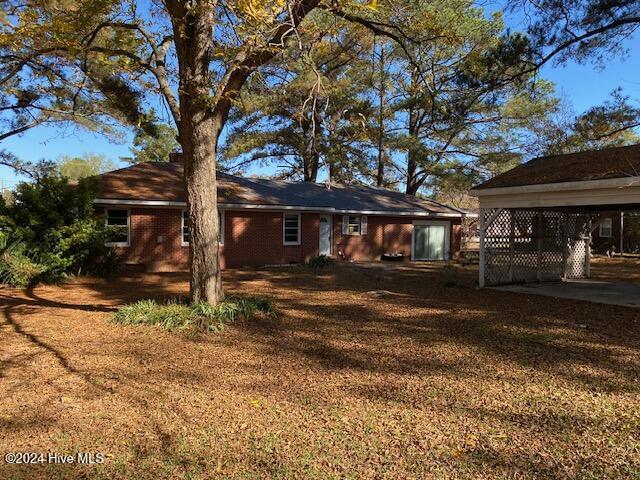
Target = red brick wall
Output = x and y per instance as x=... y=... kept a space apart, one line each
x=155 y=240
x=252 y=238
x=384 y=235
x=604 y=244
x=255 y=238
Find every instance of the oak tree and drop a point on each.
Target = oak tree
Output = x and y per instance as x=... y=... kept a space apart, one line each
x=196 y=54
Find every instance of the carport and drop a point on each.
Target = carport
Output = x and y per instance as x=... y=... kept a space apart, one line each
x=536 y=220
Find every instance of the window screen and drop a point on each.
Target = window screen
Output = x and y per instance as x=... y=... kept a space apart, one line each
x=606 y=227
x=118 y=221
x=353 y=227
x=291 y=228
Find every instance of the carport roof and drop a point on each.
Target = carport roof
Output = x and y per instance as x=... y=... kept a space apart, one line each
x=609 y=163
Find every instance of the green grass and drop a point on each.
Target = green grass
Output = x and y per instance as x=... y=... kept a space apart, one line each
x=177 y=315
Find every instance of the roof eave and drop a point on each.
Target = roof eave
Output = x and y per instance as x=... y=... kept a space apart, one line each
x=242 y=206
x=620 y=182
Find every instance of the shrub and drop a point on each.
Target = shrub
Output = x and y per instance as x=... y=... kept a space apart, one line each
x=321 y=261
x=55 y=222
x=176 y=314
x=17 y=268
x=49 y=204
x=80 y=248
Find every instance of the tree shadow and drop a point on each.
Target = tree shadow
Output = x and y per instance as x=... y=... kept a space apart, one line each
x=387 y=348
x=130 y=388
x=532 y=333
x=34 y=340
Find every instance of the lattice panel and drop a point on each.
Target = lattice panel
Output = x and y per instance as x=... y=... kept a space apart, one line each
x=579 y=239
x=523 y=245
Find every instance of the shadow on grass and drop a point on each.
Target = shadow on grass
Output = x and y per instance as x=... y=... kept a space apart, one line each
x=542 y=334
x=331 y=323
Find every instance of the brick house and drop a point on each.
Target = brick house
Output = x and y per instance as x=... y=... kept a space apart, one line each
x=605 y=237
x=271 y=222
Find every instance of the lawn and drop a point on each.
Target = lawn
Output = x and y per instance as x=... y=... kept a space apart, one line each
x=616 y=269
x=430 y=379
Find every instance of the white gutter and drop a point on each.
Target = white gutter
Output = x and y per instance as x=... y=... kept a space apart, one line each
x=560 y=186
x=140 y=203
x=241 y=206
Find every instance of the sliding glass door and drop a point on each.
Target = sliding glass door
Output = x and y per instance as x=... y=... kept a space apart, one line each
x=430 y=241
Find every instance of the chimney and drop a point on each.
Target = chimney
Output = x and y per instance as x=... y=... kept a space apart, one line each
x=175 y=157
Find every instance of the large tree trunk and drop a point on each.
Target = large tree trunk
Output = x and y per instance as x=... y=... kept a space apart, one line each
x=199 y=130
x=310 y=156
x=413 y=181
x=202 y=117
x=311 y=166
x=199 y=149
x=412 y=186
x=381 y=123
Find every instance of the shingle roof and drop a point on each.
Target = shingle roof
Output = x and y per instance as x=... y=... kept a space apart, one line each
x=617 y=162
x=163 y=181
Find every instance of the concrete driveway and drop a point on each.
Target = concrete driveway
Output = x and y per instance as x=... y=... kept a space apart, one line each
x=625 y=294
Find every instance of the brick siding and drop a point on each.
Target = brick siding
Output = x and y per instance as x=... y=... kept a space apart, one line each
x=603 y=244
x=384 y=235
x=255 y=238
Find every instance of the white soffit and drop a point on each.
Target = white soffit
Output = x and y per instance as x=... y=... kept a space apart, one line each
x=615 y=191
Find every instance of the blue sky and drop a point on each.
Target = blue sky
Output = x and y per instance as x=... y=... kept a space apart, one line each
x=583 y=85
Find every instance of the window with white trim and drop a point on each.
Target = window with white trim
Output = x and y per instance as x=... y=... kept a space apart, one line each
x=185 y=227
x=354 y=225
x=291 y=228
x=118 y=222
x=606 y=227
x=221 y=227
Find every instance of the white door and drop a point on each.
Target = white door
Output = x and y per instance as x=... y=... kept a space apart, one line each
x=431 y=241
x=325 y=234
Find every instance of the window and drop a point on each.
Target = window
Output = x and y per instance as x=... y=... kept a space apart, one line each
x=221 y=227
x=291 y=228
x=354 y=225
x=606 y=227
x=185 y=228
x=118 y=221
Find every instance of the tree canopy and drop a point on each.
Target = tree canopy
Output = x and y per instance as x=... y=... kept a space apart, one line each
x=155 y=146
x=404 y=94
x=195 y=55
x=88 y=165
x=581 y=30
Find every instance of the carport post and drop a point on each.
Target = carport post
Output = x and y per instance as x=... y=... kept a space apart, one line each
x=587 y=253
x=482 y=252
x=512 y=234
x=621 y=233
x=565 y=247
x=539 y=235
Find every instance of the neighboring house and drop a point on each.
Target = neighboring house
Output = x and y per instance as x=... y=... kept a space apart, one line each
x=605 y=237
x=271 y=222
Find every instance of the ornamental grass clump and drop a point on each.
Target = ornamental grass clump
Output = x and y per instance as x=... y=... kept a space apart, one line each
x=18 y=267
x=177 y=315
x=321 y=261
